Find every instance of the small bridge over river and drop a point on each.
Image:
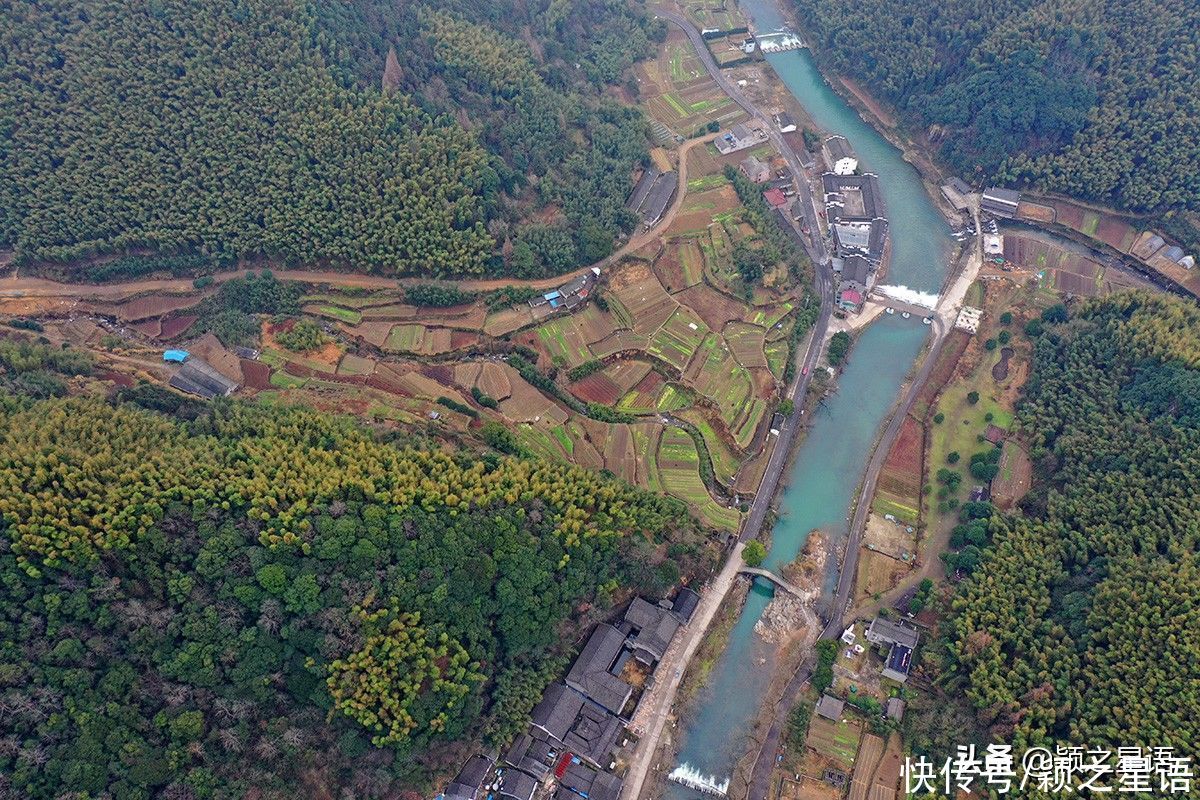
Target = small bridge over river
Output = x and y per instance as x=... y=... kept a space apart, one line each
x=773 y=578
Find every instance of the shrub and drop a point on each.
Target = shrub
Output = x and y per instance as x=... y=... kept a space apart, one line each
x=972 y=397
x=303 y=337
x=754 y=554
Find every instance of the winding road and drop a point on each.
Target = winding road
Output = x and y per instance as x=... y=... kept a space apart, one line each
x=656 y=709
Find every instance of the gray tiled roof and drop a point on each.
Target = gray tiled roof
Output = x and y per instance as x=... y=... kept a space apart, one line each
x=839 y=148
x=685 y=604
x=590 y=674
x=885 y=631
x=654 y=627
x=830 y=707
x=517 y=785
x=594 y=734
x=557 y=710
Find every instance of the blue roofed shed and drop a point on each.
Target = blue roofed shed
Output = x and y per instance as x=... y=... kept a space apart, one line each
x=177 y=356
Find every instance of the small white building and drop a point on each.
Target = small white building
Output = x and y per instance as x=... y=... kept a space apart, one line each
x=840 y=156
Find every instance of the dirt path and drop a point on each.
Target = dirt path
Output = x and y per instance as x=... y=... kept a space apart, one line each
x=16 y=286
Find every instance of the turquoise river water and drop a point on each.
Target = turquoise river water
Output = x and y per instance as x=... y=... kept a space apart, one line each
x=829 y=463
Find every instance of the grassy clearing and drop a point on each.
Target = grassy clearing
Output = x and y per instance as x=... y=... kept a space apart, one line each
x=281 y=380
x=886 y=504
x=346 y=315
x=706 y=182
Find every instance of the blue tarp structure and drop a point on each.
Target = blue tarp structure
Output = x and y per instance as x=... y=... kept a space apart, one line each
x=178 y=356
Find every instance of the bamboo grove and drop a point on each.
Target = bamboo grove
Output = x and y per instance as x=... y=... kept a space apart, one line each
x=1094 y=99
x=1081 y=623
x=244 y=128
x=258 y=597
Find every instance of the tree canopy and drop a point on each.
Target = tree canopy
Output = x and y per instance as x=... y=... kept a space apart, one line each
x=261 y=597
x=243 y=129
x=1094 y=99
x=1080 y=622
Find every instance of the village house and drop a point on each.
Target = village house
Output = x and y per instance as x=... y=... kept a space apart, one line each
x=839 y=155
x=830 y=707
x=852 y=198
x=756 y=169
x=740 y=137
x=784 y=122
x=866 y=239
x=477 y=774
x=899 y=641
x=1000 y=202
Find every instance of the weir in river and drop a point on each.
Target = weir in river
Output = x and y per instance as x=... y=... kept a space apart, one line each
x=830 y=462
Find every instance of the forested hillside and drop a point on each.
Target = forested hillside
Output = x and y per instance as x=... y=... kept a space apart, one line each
x=1092 y=98
x=263 y=598
x=1081 y=623
x=252 y=128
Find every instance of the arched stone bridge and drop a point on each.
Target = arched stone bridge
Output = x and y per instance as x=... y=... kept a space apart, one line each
x=773 y=578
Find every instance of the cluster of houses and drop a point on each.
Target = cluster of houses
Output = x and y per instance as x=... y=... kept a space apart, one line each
x=570 y=296
x=896 y=643
x=857 y=225
x=652 y=195
x=578 y=725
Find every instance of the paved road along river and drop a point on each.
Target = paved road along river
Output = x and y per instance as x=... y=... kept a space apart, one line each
x=830 y=463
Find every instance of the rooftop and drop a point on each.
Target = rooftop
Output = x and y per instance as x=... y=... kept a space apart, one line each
x=654 y=627
x=852 y=197
x=591 y=673
x=857 y=269
x=1006 y=196
x=517 y=785
x=839 y=148
x=775 y=198
x=886 y=631
x=900 y=659
x=685 y=604
x=556 y=712
x=830 y=707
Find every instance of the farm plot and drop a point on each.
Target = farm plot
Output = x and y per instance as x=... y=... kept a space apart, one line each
x=645 y=448
x=355 y=365
x=715 y=308
x=507 y=320
x=619 y=342
x=347 y=300
x=677 y=340
x=611 y=383
x=153 y=305
x=393 y=311
x=617 y=445
x=837 y=741
x=375 y=333
x=679 y=265
x=699 y=210
x=716 y=375
x=904 y=466
x=347 y=315
x=724 y=461
x=679 y=468
x=747 y=344
x=777 y=356
x=405 y=338
x=645 y=303
x=644 y=396
x=564 y=342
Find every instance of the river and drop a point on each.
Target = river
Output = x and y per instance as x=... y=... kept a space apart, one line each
x=829 y=463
